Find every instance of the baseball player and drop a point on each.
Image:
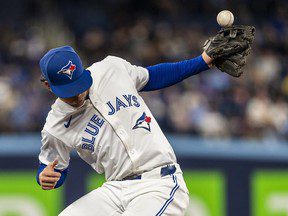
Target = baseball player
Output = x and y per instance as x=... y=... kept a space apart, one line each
x=101 y=115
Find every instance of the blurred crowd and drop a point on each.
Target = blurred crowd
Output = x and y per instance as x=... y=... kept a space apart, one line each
x=145 y=33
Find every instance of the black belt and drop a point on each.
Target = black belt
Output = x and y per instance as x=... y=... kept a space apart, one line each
x=167 y=170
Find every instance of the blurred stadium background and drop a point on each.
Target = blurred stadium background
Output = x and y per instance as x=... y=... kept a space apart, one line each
x=229 y=134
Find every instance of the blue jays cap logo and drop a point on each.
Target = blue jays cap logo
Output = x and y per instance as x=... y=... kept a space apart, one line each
x=68 y=69
x=143 y=122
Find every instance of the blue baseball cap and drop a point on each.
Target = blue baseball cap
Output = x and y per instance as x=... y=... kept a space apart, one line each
x=63 y=70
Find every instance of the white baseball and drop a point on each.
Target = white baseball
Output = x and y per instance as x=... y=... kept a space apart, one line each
x=225 y=18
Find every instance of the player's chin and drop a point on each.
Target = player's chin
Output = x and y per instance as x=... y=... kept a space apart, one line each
x=80 y=103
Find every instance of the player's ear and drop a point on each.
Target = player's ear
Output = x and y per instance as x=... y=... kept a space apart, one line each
x=46 y=85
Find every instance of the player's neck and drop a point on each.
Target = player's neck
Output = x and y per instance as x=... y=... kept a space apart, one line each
x=76 y=101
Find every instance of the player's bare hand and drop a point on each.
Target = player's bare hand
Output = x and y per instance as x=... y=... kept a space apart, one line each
x=208 y=60
x=48 y=178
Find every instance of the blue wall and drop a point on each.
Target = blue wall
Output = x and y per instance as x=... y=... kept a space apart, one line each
x=184 y=146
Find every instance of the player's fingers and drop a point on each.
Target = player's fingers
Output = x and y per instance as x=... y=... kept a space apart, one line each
x=51 y=174
x=47 y=188
x=45 y=184
x=49 y=179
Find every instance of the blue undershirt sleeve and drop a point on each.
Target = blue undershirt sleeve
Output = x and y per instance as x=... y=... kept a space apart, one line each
x=166 y=74
x=61 y=180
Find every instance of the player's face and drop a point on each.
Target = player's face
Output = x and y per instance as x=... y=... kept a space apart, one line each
x=77 y=100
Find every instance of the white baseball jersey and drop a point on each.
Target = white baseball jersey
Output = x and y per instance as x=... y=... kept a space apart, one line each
x=113 y=131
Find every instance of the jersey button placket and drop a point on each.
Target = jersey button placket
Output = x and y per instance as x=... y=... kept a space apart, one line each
x=124 y=136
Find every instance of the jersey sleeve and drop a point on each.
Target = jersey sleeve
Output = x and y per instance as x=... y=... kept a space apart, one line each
x=53 y=148
x=138 y=74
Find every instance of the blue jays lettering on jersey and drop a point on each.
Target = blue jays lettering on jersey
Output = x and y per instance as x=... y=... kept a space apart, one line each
x=143 y=122
x=92 y=131
x=68 y=69
x=127 y=101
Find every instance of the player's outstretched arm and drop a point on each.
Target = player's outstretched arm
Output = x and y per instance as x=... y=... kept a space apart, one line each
x=166 y=74
x=48 y=177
